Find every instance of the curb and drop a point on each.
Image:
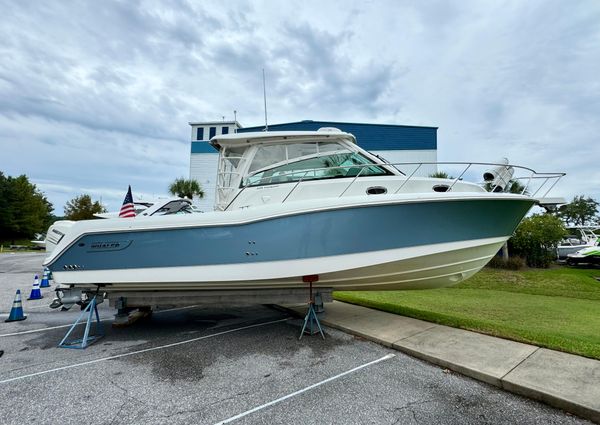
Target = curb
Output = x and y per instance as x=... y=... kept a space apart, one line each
x=554 y=401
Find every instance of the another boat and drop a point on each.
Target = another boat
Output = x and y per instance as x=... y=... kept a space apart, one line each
x=143 y=209
x=579 y=238
x=293 y=204
x=40 y=241
x=164 y=206
x=589 y=255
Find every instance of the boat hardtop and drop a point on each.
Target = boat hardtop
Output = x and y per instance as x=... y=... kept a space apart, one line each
x=255 y=137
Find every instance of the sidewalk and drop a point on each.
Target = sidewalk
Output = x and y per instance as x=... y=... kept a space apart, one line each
x=566 y=381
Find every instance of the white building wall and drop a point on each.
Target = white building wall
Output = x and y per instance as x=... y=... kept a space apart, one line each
x=203 y=168
x=231 y=127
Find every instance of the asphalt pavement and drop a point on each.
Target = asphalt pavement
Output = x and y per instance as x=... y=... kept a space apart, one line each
x=242 y=365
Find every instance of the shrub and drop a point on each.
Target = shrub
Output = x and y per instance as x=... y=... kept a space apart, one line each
x=513 y=263
x=536 y=239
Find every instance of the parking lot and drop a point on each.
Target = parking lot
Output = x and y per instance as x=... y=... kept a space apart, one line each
x=240 y=365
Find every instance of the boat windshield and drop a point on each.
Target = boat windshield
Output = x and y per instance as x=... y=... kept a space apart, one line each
x=307 y=161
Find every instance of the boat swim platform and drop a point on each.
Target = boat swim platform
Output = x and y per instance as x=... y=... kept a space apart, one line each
x=171 y=299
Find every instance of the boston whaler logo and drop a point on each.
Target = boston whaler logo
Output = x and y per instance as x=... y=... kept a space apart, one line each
x=109 y=245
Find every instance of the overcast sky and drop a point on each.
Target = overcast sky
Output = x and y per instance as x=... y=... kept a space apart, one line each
x=98 y=95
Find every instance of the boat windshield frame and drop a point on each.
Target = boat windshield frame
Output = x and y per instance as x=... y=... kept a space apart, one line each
x=320 y=171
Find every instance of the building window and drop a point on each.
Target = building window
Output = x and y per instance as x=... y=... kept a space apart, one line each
x=225 y=130
x=200 y=133
x=212 y=132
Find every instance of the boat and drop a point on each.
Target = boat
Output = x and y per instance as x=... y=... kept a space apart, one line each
x=161 y=206
x=143 y=209
x=40 y=241
x=588 y=255
x=579 y=238
x=296 y=204
x=139 y=206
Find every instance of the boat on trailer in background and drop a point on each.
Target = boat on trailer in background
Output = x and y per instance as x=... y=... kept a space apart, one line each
x=293 y=204
x=143 y=209
x=580 y=237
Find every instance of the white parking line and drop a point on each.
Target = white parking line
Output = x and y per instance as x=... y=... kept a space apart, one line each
x=81 y=323
x=271 y=403
x=49 y=328
x=145 y=350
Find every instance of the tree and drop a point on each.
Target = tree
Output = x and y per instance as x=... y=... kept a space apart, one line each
x=24 y=210
x=186 y=188
x=580 y=212
x=536 y=239
x=514 y=186
x=82 y=208
x=440 y=175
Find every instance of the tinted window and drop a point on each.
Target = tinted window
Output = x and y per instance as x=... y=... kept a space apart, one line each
x=200 y=134
x=212 y=132
x=225 y=130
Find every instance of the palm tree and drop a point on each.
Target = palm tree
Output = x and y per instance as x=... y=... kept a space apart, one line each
x=185 y=188
x=441 y=175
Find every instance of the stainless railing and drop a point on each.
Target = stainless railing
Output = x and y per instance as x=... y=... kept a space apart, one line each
x=491 y=186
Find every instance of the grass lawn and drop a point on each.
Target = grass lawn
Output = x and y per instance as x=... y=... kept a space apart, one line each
x=555 y=308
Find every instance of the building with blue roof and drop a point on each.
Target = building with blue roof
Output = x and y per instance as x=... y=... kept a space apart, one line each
x=395 y=143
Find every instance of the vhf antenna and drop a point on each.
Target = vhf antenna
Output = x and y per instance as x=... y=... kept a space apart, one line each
x=265 y=98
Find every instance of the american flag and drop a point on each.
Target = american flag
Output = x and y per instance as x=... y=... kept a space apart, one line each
x=127 y=210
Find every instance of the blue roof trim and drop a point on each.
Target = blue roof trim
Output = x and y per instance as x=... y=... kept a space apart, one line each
x=377 y=137
x=202 y=147
x=261 y=127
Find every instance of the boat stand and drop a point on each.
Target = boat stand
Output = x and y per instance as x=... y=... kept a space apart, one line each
x=311 y=320
x=80 y=343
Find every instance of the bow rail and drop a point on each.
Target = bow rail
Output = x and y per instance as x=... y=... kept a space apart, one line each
x=503 y=182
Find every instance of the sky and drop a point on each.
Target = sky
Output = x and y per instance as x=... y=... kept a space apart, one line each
x=95 y=96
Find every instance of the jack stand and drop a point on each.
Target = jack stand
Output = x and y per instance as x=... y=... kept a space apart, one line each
x=311 y=318
x=91 y=309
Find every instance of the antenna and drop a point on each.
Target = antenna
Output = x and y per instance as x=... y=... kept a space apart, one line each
x=234 y=121
x=265 y=98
